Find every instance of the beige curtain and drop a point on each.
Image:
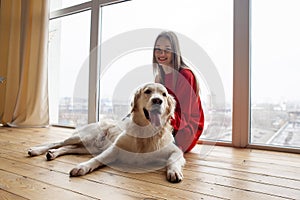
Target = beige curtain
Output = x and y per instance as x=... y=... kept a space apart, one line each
x=23 y=62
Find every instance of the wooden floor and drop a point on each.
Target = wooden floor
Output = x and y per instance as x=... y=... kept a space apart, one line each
x=212 y=172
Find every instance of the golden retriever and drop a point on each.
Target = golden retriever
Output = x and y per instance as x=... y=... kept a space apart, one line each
x=142 y=142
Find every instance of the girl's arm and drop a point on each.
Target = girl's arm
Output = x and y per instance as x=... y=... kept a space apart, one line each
x=187 y=114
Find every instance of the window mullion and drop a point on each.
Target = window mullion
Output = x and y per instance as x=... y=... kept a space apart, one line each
x=93 y=69
x=241 y=74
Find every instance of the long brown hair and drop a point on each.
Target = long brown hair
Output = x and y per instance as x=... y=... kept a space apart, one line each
x=177 y=61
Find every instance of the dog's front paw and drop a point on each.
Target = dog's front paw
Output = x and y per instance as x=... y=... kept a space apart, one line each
x=174 y=175
x=80 y=170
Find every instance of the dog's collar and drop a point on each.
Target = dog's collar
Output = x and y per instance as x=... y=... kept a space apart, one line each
x=126 y=117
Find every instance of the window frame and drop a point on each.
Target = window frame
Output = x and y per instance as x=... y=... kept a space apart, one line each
x=241 y=120
x=241 y=74
x=94 y=6
x=241 y=70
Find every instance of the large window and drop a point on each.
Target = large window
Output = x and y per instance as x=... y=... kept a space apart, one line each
x=207 y=24
x=69 y=41
x=275 y=66
x=245 y=54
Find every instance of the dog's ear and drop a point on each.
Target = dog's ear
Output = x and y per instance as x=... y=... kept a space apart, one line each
x=134 y=103
x=171 y=106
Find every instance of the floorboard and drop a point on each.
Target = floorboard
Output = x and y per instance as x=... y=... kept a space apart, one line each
x=211 y=172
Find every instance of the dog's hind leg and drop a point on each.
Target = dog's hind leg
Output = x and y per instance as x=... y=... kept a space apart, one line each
x=72 y=149
x=39 y=150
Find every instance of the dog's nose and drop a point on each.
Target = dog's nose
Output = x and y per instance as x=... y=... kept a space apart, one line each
x=157 y=101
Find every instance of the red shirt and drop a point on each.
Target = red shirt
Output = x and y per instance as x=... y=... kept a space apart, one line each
x=188 y=121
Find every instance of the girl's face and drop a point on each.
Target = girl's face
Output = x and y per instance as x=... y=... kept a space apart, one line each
x=163 y=52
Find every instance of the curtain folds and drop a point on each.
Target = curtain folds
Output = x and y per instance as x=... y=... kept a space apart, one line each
x=23 y=62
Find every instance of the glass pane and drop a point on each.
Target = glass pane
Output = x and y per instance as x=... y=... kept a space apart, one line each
x=275 y=62
x=68 y=71
x=208 y=24
x=59 y=4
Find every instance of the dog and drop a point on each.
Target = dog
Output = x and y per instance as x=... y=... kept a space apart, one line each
x=142 y=141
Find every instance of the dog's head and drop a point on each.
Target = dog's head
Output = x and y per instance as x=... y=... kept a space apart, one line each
x=152 y=104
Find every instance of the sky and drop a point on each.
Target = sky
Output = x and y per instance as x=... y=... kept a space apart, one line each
x=275 y=50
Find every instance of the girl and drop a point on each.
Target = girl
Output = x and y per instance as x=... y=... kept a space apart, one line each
x=170 y=70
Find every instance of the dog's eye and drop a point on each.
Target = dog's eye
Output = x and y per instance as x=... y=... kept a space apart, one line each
x=148 y=91
x=164 y=94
